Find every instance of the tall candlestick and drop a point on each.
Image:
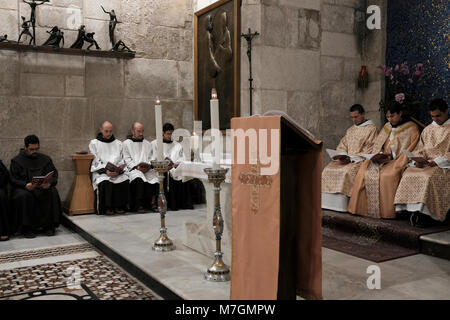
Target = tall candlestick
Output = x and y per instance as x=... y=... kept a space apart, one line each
x=158 y=126
x=215 y=127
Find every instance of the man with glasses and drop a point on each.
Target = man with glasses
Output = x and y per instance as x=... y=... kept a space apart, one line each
x=35 y=200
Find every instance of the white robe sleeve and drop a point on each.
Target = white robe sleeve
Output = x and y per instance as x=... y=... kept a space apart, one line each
x=97 y=163
x=177 y=154
x=129 y=159
x=121 y=159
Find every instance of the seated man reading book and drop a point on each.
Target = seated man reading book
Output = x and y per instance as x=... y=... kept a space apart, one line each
x=339 y=175
x=143 y=180
x=35 y=200
x=425 y=186
x=378 y=177
x=109 y=173
x=178 y=193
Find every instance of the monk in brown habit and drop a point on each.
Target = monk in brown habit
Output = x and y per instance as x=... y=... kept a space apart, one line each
x=339 y=175
x=377 y=180
x=425 y=187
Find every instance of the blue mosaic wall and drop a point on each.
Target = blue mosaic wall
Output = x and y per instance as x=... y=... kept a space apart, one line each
x=418 y=32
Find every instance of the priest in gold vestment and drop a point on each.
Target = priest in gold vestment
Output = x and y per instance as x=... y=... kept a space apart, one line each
x=339 y=175
x=377 y=179
x=425 y=187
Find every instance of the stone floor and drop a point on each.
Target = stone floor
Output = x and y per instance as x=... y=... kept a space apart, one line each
x=63 y=267
x=344 y=276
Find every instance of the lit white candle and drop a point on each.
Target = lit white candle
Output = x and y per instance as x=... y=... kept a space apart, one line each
x=215 y=128
x=194 y=142
x=158 y=126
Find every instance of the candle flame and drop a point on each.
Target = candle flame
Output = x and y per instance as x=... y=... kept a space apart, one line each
x=157 y=100
x=213 y=93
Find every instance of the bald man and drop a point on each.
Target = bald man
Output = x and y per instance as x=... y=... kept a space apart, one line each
x=138 y=155
x=110 y=186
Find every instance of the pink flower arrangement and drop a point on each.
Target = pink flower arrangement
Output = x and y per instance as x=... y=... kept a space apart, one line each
x=401 y=71
x=400 y=97
x=402 y=83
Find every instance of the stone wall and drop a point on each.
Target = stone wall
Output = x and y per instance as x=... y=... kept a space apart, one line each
x=64 y=99
x=305 y=62
x=307 y=59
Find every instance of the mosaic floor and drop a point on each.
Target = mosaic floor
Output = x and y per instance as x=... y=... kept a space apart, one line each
x=91 y=278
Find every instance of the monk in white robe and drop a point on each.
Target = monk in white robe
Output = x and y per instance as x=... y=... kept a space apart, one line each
x=138 y=155
x=425 y=186
x=111 y=187
x=377 y=180
x=178 y=193
x=339 y=175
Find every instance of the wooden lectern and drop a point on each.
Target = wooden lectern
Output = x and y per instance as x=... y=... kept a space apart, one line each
x=276 y=218
x=82 y=194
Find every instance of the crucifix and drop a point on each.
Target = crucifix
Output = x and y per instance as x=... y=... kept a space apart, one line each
x=33 y=4
x=249 y=37
x=255 y=180
x=112 y=25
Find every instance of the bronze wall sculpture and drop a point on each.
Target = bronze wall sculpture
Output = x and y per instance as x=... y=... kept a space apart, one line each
x=217 y=61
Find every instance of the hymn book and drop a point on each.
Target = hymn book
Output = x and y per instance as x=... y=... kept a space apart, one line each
x=144 y=165
x=369 y=156
x=113 y=168
x=333 y=153
x=412 y=156
x=39 y=180
x=172 y=164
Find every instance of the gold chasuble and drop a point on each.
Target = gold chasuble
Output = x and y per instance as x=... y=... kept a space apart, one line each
x=375 y=185
x=429 y=186
x=276 y=211
x=358 y=140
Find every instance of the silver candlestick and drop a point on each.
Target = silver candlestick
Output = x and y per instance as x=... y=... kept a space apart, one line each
x=219 y=271
x=163 y=243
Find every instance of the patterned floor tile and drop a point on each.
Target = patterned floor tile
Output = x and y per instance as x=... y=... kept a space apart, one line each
x=97 y=276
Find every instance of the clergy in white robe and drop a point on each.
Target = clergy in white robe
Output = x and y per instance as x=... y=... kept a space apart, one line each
x=425 y=185
x=138 y=155
x=339 y=175
x=178 y=193
x=111 y=187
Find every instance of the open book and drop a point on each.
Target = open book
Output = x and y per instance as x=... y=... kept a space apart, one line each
x=383 y=157
x=412 y=156
x=113 y=168
x=172 y=164
x=369 y=156
x=333 y=153
x=144 y=165
x=39 y=180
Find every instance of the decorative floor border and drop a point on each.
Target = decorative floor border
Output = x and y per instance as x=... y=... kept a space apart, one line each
x=44 y=253
x=83 y=293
